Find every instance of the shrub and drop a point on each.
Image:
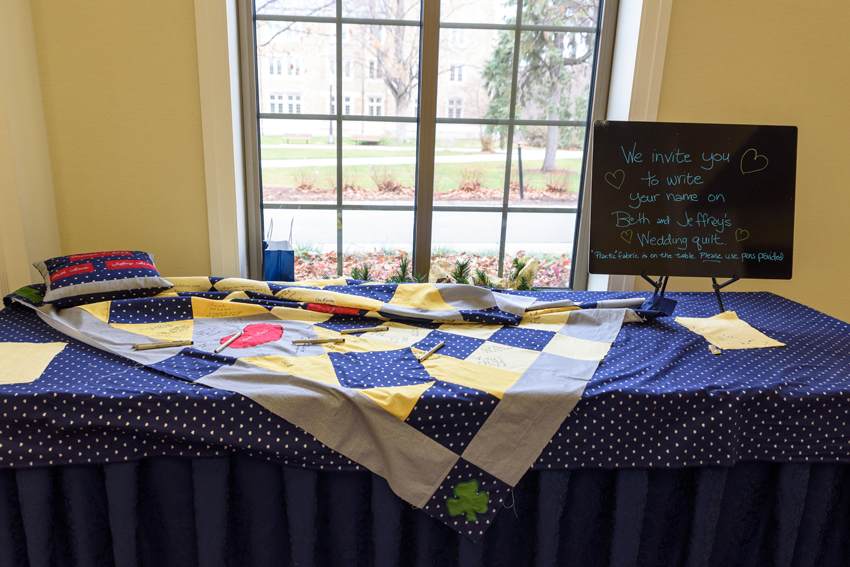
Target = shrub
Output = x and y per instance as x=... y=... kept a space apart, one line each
x=305 y=178
x=384 y=179
x=472 y=176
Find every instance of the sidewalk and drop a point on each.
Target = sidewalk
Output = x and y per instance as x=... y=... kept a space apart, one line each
x=468 y=157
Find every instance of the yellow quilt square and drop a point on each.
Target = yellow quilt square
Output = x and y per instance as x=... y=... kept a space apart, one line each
x=190 y=284
x=420 y=296
x=353 y=343
x=398 y=400
x=580 y=349
x=24 y=362
x=212 y=309
x=506 y=357
x=553 y=322
x=474 y=330
x=318 y=367
x=170 y=331
x=495 y=381
x=239 y=284
x=399 y=334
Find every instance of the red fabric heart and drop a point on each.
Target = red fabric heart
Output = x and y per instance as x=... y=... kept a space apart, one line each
x=255 y=335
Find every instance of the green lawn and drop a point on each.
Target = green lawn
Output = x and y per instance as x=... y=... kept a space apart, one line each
x=323 y=140
x=447 y=176
x=329 y=152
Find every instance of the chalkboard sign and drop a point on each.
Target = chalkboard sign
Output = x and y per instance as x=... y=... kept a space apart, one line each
x=712 y=200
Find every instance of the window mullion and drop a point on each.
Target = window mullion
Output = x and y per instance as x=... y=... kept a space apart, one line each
x=511 y=118
x=339 y=102
x=427 y=131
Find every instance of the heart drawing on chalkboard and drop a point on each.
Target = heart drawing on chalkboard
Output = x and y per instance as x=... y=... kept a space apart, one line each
x=754 y=163
x=615 y=178
x=627 y=235
x=741 y=235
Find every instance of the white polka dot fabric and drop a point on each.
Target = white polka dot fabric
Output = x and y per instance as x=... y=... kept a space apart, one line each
x=659 y=399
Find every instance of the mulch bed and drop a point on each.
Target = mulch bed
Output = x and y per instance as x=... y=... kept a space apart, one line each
x=554 y=271
x=463 y=193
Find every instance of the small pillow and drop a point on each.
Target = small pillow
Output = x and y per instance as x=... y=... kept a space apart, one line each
x=100 y=276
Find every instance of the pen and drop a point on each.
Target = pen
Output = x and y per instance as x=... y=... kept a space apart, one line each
x=227 y=344
x=363 y=330
x=440 y=345
x=150 y=346
x=316 y=341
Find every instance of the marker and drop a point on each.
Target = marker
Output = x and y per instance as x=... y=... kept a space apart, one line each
x=316 y=341
x=150 y=346
x=363 y=330
x=714 y=350
x=227 y=344
x=440 y=345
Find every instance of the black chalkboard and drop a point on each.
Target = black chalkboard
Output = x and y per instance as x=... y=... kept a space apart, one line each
x=712 y=200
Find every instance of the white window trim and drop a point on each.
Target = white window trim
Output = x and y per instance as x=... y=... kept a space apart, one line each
x=221 y=120
x=639 y=62
x=639 y=50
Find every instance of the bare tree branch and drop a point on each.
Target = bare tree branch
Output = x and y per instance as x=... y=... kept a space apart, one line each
x=289 y=25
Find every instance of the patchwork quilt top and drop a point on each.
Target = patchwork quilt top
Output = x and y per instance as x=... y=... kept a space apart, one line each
x=450 y=432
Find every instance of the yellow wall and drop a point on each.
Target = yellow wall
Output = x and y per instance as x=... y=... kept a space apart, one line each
x=119 y=81
x=768 y=62
x=121 y=102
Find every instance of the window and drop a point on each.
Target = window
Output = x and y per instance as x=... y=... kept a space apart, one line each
x=454 y=107
x=276 y=104
x=294 y=67
x=375 y=106
x=294 y=104
x=490 y=98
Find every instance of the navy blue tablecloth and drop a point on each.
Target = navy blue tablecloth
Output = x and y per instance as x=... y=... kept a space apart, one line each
x=243 y=511
x=674 y=456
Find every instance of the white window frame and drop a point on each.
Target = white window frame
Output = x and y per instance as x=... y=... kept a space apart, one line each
x=232 y=178
x=454 y=107
x=375 y=105
x=456 y=73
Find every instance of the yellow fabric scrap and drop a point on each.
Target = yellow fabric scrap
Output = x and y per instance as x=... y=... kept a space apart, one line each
x=99 y=310
x=24 y=362
x=726 y=331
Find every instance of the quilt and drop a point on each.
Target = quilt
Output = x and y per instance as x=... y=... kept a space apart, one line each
x=451 y=433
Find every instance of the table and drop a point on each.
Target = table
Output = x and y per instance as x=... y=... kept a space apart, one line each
x=774 y=491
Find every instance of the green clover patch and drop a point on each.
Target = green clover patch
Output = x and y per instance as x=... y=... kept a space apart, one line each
x=469 y=501
x=30 y=293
